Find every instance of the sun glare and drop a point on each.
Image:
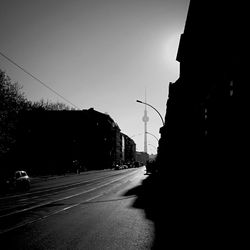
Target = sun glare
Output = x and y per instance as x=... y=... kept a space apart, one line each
x=170 y=49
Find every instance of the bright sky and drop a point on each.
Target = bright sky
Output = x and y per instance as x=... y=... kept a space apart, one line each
x=97 y=53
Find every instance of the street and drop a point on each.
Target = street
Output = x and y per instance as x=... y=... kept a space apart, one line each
x=94 y=210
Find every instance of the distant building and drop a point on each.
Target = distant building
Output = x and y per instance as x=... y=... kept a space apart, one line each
x=152 y=157
x=128 y=149
x=142 y=157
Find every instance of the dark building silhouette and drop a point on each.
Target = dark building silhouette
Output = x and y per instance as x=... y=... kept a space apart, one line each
x=49 y=141
x=203 y=152
x=206 y=107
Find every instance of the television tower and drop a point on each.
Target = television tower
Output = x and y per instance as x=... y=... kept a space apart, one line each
x=145 y=119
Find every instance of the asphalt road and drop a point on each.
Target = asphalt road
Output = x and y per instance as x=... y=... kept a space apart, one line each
x=95 y=210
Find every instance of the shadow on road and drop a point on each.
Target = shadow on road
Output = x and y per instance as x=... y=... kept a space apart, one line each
x=187 y=214
x=149 y=198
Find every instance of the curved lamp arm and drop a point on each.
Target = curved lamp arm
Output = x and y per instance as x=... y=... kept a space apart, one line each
x=152 y=108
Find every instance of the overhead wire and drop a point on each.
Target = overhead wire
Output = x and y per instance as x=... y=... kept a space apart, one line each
x=37 y=79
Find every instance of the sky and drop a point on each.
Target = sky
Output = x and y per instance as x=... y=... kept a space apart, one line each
x=101 y=54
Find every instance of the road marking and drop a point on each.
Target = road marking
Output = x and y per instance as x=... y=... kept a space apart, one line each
x=48 y=215
x=58 y=187
x=61 y=210
x=64 y=198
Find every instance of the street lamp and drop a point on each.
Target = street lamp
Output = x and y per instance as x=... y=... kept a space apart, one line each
x=152 y=108
x=153 y=146
x=153 y=136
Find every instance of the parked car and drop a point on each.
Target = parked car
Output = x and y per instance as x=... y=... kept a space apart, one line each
x=117 y=167
x=20 y=180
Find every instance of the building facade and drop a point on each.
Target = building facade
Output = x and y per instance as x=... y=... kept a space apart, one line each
x=49 y=141
x=203 y=153
x=206 y=106
x=142 y=157
x=129 y=149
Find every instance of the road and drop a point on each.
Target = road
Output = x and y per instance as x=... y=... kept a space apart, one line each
x=93 y=210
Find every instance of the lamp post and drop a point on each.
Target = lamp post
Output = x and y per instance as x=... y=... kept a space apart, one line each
x=152 y=146
x=153 y=136
x=152 y=108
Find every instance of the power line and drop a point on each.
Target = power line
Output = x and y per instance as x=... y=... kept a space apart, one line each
x=44 y=84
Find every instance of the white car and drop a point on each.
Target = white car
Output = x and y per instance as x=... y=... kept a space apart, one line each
x=21 y=180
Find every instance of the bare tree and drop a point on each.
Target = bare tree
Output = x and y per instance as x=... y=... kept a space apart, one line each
x=12 y=100
x=49 y=105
